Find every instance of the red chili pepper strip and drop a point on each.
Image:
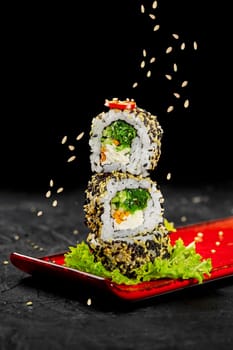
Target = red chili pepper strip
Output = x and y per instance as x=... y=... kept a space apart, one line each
x=120 y=104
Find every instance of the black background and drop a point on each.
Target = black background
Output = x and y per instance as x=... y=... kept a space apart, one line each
x=60 y=63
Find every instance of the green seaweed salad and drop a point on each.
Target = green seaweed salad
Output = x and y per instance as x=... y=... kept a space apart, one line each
x=184 y=263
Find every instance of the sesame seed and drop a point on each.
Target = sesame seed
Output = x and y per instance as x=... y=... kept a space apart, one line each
x=154 y=4
x=148 y=74
x=213 y=251
x=175 y=67
x=182 y=46
x=152 y=16
x=39 y=213
x=143 y=63
x=71 y=147
x=195 y=45
x=144 y=53
x=170 y=109
x=5 y=262
x=183 y=218
x=64 y=139
x=60 y=189
x=176 y=36
x=135 y=85
x=142 y=9
x=217 y=243
x=51 y=183
x=71 y=159
x=48 y=194
x=176 y=94
x=152 y=60
x=89 y=301
x=200 y=234
x=168 y=76
x=80 y=136
x=184 y=83
x=156 y=27
x=29 y=303
x=169 y=176
x=54 y=203
x=16 y=237
x=186 y=103
x=220 y=233
x=169 y=49
x=75 y=232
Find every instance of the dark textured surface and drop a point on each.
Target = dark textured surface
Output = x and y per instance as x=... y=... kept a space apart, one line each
x=59 y=317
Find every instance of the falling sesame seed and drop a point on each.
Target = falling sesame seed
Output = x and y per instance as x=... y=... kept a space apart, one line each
x=48 y=194
x=195 y=45
x=60 y=189
x=168 y=76
x=169 y=49
x=182 y=46
x=54 y=203
x=89 y=301
x=184 y=83
x=135 y=85
x=152 y=16
x=169 y=176
x=143 y=63
x=144 y=53
x=148 y=74
x=154 y=4
x=64 y=139
x=80 y=136
x=156 y=27
x=71 y=147
x=176 y=36
x=51 y=183
x=152 y=60
x=29 y=303
x=142 y=9
x=186 y=103
x=176 y=94
x=39 y=213
x=170 y=109
x=71 y=159
x=175 y=67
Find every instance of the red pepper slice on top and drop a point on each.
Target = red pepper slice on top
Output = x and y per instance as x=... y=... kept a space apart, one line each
x=115 y=103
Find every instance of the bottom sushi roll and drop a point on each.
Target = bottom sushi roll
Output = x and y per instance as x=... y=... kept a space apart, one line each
x=125 y=216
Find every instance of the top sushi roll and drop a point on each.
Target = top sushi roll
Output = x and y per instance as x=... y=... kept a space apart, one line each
x=125 y=138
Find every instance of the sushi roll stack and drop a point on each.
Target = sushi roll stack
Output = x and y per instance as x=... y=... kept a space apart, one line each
x=124 y=207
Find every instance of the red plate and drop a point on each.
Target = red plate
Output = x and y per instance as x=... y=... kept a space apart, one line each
x=214 y=239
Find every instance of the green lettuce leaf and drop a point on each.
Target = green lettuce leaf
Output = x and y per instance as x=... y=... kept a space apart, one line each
x=184 y=263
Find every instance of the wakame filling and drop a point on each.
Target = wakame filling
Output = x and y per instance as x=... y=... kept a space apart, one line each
x=127 y=207
x=116 y=142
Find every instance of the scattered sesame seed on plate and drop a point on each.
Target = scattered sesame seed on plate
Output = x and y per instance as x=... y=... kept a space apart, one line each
x=89 y=301
x=152 y=16
x=175 y=68
x=54 y=203
x=71 y=147
x=195 y=45
x=148 y=74
x=29 y=303
x=176 y=94
x=51 y=183
x=182 y=46
x=5 y=262
x=144 y=52
x=142 y=9
x=135 y=85
x=39 y=213
x=169 y=176
x=152 y=60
